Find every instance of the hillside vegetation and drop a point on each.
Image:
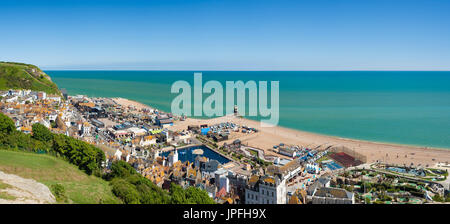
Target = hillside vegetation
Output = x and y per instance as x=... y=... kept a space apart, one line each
x=79 y=187
x=15 y=75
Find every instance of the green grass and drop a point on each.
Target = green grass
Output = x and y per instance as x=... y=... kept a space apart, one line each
x=21 y=76
x=253 y=153
x=323 y=158
x=4 y=185
x=80 y=188
x=6 y=196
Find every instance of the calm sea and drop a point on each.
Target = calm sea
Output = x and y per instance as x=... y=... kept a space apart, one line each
x=399 y=107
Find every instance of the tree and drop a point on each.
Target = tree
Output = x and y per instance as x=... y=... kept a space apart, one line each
x=87 y=157
x=6 y=124
x=121 y=169
x=125 y=191
x=41 y=133
x=177 y=195
x=198 y=196
x=191 y=195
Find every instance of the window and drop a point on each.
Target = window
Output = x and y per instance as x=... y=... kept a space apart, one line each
x=272 y=193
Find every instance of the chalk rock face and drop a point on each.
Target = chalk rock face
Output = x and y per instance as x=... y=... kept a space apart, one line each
x=24 y=191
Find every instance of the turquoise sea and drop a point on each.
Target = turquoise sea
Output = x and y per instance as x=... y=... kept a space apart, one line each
x=387 y=106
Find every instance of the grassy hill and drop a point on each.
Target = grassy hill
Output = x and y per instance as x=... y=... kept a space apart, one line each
x=80 y=188
x=15 y=75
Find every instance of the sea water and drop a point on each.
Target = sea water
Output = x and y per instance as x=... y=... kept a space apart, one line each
x=406 y=107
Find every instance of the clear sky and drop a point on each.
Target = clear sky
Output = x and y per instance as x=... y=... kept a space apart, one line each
x=227 y=34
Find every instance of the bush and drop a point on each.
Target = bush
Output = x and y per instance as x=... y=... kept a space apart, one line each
x=438 y=198
x=60 y=192
x=125 y=191
x=87 y=157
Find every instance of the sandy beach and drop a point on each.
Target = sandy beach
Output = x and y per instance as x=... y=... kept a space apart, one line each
x=126 y=103
x=267 y=137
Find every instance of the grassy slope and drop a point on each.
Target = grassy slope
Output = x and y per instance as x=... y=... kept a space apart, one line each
x=80 y=188
x=20 y=76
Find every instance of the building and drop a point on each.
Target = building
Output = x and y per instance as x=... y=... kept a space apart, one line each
x=224 y=183
x=220 y=137
x=265 y=190
x=97 y=123
x=200 y=162
x=330 y=195
x=135 y=132
x=42 y=95
x=312 y=168
x=173 y=157
x=323 y=181
x=64 y=93
x=164 y=120
x=286 y=151
x=298 y=197
x=86 y=129
x=211 y=166
x=147 y=140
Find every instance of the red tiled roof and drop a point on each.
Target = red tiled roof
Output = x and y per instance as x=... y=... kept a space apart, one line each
x=221 y=193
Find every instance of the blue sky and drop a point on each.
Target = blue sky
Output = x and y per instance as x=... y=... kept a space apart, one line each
x=227 y=34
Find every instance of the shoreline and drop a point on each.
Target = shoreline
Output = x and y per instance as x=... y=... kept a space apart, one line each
x=142 y=105
x=267 y=137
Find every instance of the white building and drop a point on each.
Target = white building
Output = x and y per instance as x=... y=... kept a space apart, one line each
x=42 y=95
x=55 y=98
x=52 y=117
x=224 y=182
x=173 y=157
x=45 y=122
x=28 y=99
x=155 y=154
x=134 y=131
x=11 y=99
x=86 y=129
x=265 y=190
x=147 y=140
x=118 y=154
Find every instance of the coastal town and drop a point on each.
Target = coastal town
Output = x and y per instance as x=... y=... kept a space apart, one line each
x=234 y=159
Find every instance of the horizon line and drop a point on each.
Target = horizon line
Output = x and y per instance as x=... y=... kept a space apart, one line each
x=253 y=70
